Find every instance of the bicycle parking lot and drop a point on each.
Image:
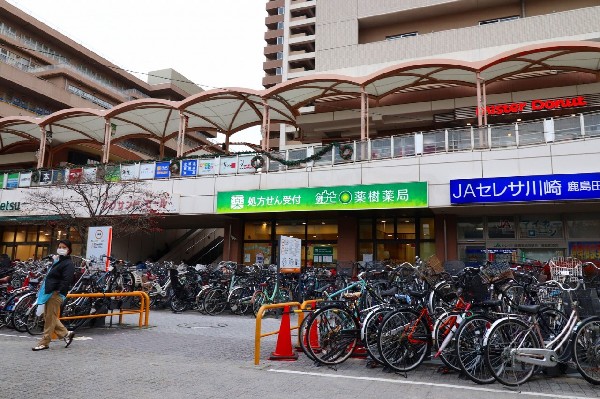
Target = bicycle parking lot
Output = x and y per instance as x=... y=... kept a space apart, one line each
x=194 y=355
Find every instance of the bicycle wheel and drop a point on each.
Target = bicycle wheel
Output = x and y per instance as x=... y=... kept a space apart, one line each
x=445 y=324
x=307 y=339
x=470 y=349
x=442 y=299
x=20 y=311
x=35 y=324
x=586 y=349
x=370 y=330
x=403 y=340
x=239 y=300
x=178 y=304
x=504 y=337
x=259 y=298
x=337 y=334
x=75 y=307
x=215 y=301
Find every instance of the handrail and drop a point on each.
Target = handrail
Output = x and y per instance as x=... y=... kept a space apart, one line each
x=144 y=310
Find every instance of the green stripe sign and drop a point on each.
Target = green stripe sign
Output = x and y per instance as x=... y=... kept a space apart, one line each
x=373 y=196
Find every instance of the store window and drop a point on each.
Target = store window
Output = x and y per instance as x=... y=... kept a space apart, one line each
x=584 y=226
x=321 y=255
x=258 y=253
x=540 y=226
x=322 y=230
x=470 y=229
x=501 y=227
x=427 y=231
x=365 y=229
x=257 y=230
x=405 y=228
x=291 y=228
x=384 y=229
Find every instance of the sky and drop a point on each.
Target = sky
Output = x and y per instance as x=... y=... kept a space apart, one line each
x=213 y=43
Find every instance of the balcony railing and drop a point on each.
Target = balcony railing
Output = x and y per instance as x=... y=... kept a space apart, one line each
x=487 y=138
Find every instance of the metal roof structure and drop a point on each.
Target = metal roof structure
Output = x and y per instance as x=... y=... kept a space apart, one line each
x=231 y=110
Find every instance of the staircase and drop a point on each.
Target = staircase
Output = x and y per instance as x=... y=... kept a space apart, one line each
x=191 y=244
x=209 y=254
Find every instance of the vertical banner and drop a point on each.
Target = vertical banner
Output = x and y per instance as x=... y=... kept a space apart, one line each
x=99 y=243
x=290 y=254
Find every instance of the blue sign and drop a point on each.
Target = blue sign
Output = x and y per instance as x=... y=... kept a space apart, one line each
x=161 y=170
x=189 y=167
x=526 y=188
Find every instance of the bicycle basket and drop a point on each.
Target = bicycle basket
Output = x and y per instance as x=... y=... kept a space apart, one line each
x=475 y=287
x=497 y=271
x=565 y=269
x=588 y=303
x=434 y=263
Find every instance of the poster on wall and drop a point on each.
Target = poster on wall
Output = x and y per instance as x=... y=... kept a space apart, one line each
x=90 y=174
x=207 y=167
x=228 y=165
x=189 y=167
x=99 y=244
x=245 y=165
x=25 y=179
x=290 y=254
x=162 y=170
x=585 y=251
x=147 y=171
x=45 y=177
x=130 y=172
x=75 y=175
x=12 y=181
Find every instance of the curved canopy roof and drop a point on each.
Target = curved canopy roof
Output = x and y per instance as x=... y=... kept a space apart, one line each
x=233 y=109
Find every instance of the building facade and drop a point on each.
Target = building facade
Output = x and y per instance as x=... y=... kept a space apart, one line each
x=400 y=129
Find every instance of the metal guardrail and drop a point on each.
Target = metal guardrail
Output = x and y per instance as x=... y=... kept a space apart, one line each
x=302 y=307
x=143 y=311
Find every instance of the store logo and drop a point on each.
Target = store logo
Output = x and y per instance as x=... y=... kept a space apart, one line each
x=10 y=206
x=345 y=197
x=534 y=105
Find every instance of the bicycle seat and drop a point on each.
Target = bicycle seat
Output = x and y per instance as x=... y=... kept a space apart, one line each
x=488 y=303
x=418 y=294
x=391 y=292
x=529 y=309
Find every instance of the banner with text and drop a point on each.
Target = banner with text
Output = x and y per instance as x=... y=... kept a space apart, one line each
x=99 y=244
x=373 y=196
x=581 y=186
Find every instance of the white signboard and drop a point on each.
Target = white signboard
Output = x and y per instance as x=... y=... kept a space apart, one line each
x=147 y=171
x=25 y=179
x=228 y=165
x=98 y=244
x=130 y=172
x=290 y=254
x=89 y=174
x=207 y=167
x=245 y=165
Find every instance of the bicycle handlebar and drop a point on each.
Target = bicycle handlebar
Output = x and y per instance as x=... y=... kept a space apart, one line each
x=561 y=285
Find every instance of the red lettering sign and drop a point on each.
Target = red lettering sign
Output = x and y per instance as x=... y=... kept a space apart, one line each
x=536 y=105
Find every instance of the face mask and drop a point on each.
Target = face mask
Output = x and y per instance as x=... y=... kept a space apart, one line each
x=62 y=251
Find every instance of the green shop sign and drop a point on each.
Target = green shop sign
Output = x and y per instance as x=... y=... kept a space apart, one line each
x=373 y=196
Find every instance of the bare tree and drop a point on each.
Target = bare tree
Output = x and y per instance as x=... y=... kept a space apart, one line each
x=128 y=206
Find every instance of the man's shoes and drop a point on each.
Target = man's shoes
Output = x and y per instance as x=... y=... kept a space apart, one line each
x=40 y=348
x=69 y=338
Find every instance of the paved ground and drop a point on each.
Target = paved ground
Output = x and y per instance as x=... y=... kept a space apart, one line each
x=191 y=355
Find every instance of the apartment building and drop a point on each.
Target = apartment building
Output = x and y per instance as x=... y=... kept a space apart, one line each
x=43 y=71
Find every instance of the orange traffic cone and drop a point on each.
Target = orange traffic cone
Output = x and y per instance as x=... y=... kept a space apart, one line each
x=284 y=350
